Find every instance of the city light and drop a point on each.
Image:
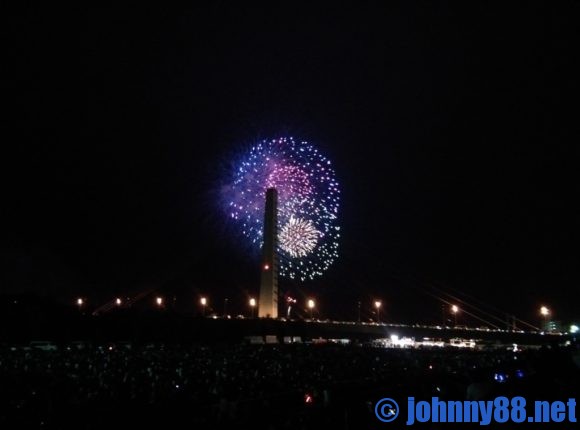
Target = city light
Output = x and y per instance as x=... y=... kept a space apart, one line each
x=311 y=305
x=454 y=310
x=159 y=301
x=402 y=342
x=266 y=267
x=118 y=301
x=80 y=302
x=573 y=329
x=500 y=377
x=253 y=306
x=545 y=312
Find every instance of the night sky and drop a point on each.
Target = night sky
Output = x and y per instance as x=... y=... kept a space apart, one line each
x=453 y=129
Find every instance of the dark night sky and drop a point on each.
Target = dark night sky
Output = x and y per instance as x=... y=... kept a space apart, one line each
x=454 y=131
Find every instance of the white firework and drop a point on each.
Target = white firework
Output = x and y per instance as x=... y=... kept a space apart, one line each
x=298 y=237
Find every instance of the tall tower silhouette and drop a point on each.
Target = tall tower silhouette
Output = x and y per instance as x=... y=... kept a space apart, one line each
x=268 y=306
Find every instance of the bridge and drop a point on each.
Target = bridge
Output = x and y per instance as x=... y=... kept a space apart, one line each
x=160 y=327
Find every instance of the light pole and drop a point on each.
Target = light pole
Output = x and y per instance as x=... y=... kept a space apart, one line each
x=289 y=302
x=80 y=304
x=253 y=306
x=203 y=302
x=545 y=312
x=359 y=312
x=225 y=307
x=378 y=307
x=311 y=305
x=454 y=310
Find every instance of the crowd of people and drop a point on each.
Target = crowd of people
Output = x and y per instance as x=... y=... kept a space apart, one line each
x=267 y=386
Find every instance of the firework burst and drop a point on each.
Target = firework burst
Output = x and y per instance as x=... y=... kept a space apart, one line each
x=308 y=203
x=298 y=237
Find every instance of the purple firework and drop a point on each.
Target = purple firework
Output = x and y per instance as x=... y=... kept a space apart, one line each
x=308 y=202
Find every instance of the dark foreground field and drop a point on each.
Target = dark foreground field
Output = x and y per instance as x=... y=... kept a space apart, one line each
x=162 y=385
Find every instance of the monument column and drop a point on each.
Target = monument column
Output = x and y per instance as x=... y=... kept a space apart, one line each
x=268 y=305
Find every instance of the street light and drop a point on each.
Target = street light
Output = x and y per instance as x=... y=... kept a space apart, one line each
x=80 y=302
x=159 y=301
x=203 y=302
x=378 y=306
x=454 y=310
x=118 y=301
x=545 y=312
x=253 y=306
x=226 y=307
x=311 y=305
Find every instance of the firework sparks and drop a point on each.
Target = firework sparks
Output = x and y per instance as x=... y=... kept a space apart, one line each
x=298 y=237
x=308 y=203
